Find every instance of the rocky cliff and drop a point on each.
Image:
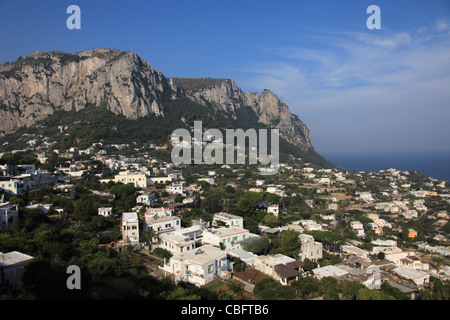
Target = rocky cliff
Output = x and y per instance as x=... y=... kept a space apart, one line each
x=34 y=87
x=224 y=95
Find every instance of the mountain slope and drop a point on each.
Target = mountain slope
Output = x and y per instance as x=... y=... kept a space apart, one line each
x=224 y=95
x=35 y=87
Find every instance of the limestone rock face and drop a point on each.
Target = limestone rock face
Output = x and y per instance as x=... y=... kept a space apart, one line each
x=34 y=87
x=225 y=95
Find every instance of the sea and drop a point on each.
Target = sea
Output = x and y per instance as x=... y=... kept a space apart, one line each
x=434 y=164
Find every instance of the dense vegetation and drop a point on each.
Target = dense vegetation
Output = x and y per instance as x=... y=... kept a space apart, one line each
x=96 y=124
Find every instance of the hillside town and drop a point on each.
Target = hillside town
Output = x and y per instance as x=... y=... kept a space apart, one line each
x=385 y=233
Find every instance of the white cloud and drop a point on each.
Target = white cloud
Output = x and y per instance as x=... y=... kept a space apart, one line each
x=392 y=82
x=442 y=25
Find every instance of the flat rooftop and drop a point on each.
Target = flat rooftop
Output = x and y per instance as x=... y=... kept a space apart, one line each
x=329 y=271
x=204 y=254
x=13 y=258
x=226 y=215
x=228 y=231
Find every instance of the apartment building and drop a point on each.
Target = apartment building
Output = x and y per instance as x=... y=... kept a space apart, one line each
x=138 y=178
x=228 y=219
x=310 y=249
x=199 y=266
x=8 y=215
x=229 y=237
x=130 y=228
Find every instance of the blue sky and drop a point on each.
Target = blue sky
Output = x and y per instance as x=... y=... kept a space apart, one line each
x=356 y=89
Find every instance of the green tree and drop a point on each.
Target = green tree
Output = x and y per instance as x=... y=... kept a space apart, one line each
x=329 y=288
x=256 y=245
x=251 y=225
x=269 y=289
x=309 y=265
x=181 y=294
x=394 y=292
x=372 y=294
x=350 y=289
x=306 y=287
x=289 y=242
x=212 y=203
x=162 y=253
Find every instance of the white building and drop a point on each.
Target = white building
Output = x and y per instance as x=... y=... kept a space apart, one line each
x=105 y=211
x=276 y=189
x=273 y=209
x=329 y=271
x=176 y=188
x=193 y=233
x=130 y=228
x=176 y=243
x=384 y=242
x=137 y=178
x=259 y=183
x=396 y=256
x=199 y=266
x=12 y=186
x=146 y=199
x=229 y=237
x=161 y=220
x=366 y=196
x=311 y=225
x=352 y=250
x=12 y=265
x=229 y=219
x=247 y=257
x=154 y=180
x=410 y=214
x=209 y=180
x=72 y=171
x=358 y=227
x=8 y=214
x=276 y=267
x=420 y=278
x=333 y=206
x=310 y=249
x=323 y=180
x=44 y=207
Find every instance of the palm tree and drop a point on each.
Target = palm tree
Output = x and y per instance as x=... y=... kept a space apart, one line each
x=149 y=236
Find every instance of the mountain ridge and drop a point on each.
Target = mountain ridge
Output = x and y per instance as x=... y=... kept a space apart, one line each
x=225 y=95
x=34 y=87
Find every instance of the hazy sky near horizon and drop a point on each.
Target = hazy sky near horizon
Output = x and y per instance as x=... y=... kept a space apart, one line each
x=356 y=89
